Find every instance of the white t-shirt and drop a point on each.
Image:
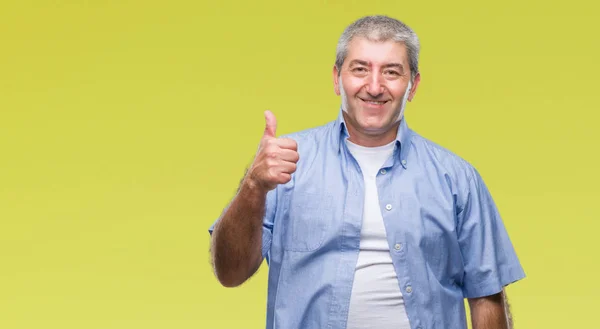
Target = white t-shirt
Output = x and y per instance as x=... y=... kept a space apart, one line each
x=376 y=300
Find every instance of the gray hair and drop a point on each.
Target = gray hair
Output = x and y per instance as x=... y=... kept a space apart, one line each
x=380 y=28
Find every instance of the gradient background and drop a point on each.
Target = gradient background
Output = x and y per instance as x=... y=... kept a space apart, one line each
x=125 y=127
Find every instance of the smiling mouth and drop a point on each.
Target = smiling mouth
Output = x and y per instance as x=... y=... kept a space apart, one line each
x=373 y=102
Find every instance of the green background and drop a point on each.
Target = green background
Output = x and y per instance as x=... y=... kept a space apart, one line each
x=125 y=127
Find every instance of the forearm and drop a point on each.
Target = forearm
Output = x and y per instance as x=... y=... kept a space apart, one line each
x=509 y=319
x=237 y=237
x=489 y=312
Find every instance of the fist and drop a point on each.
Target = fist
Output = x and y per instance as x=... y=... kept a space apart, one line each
x=275 y=159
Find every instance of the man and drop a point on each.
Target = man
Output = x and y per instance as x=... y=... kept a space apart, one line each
x=363 y=222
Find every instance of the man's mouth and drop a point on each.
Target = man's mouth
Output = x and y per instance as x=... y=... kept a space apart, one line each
x=372 y=102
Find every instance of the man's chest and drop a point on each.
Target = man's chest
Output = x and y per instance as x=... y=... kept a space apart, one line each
x=329 y=209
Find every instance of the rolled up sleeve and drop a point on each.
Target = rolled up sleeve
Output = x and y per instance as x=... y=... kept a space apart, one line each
x=489 y=258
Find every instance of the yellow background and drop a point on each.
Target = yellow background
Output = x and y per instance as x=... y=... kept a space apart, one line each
x=125 y=127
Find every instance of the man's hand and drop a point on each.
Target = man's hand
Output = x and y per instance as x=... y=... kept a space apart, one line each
x=275 y=160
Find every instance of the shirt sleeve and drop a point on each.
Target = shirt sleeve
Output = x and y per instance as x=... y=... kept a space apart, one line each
x=490 y=261
x=268 y=220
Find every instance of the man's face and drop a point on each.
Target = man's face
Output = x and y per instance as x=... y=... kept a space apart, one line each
x=372 y=85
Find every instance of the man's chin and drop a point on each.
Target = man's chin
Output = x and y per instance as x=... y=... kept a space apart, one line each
x=378 y=128
x=374 y=129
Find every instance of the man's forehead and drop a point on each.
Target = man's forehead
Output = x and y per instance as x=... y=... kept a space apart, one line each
x=368 y=52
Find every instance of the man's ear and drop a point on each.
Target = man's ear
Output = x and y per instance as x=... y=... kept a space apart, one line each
x=413 y=89
x=336 y=81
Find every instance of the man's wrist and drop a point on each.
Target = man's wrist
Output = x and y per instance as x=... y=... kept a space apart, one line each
x=252 y=187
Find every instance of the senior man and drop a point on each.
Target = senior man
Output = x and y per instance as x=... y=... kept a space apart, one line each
x=363 y=222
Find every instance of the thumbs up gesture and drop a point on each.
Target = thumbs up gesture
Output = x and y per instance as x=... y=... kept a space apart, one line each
x=275 y=159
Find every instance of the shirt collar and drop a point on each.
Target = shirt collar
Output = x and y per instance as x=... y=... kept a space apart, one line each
x=340 y=134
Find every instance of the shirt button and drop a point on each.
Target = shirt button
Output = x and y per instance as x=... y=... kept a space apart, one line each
x=409 y=289
x=404 y=162
x=383 y=171
x=388 y=206
x=398 y=246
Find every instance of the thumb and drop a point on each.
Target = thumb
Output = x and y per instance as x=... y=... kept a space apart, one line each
x=271 y=124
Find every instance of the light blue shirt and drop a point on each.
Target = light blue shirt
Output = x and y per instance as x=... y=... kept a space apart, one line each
x=445 y=234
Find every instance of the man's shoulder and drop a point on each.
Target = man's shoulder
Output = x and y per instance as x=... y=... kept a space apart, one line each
x=434 y=152
x=313 y=135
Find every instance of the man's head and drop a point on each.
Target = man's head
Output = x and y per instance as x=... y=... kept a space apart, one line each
x=376 y=72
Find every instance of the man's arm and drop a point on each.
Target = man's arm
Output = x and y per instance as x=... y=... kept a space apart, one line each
x=491 y=312
x=485 y=245
x=236 y=245
x=237 y=236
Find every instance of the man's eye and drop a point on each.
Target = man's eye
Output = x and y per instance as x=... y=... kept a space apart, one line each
x=359 y=69
x=392 y=73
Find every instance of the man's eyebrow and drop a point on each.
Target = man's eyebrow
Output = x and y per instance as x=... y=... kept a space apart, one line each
x=365 y=63
x=398 y=65
x=358 y=62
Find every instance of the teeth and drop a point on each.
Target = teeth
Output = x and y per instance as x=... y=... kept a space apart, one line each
x=375 y=103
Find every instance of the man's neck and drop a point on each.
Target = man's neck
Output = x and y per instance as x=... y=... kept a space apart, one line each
x=374 y=139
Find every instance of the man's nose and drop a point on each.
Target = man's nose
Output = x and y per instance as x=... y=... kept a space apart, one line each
x=375 y=86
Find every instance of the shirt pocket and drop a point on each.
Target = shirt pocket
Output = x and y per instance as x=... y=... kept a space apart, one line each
x=308 y=220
